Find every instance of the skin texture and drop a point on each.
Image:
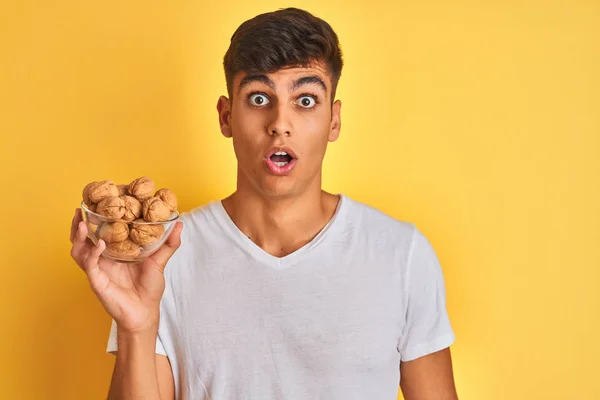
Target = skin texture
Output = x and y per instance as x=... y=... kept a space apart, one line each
x=429 y=377
x=281 y=213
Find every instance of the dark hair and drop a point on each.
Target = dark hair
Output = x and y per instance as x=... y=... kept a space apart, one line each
x=287 y=37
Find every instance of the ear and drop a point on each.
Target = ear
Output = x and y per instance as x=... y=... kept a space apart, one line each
x=224 y=109
x=336 y=121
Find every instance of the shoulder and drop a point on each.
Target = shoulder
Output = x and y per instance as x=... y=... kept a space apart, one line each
x=387 y=238
x=197 y=219
x=373 y=221
x=198 y=222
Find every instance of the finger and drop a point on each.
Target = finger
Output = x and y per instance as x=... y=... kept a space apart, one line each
x=91 y=260
x=81 y=246
x=98 y=278
x=74 y=223
x=162 y=256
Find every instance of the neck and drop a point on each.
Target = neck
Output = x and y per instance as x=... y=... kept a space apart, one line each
x=280 y=226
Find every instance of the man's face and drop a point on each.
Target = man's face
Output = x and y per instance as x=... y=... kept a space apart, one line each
x=280 y=124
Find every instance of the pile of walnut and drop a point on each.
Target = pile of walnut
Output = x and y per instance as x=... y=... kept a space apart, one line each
x=126 y=206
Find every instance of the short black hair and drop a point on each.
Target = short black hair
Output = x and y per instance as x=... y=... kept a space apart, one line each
x=288 y=37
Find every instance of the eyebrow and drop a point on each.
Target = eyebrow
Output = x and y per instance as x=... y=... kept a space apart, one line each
x=309 y=80
x=261 y=78
x=248 y=79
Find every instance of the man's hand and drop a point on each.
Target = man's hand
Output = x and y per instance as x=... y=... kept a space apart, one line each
x=130 y=293
x=428 y=378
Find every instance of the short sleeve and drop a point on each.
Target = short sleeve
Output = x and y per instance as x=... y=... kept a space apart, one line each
x=112 y=346
x=427 y=327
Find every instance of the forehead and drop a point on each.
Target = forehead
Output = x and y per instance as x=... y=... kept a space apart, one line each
x=284 y=78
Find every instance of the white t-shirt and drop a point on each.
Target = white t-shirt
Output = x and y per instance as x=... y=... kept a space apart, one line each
x=330 y=321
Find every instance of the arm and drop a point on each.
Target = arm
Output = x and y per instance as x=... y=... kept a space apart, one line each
x=426 y=364
x=140 y=373
x=131 y=294
x=429 y=377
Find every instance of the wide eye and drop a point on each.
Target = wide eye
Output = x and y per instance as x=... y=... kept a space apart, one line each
x=307 y=101
x=258 y=100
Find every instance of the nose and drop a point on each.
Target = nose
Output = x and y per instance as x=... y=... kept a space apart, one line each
x=280 y=123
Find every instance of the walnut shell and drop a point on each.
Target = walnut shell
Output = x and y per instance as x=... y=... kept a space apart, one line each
x=133 y=208
x=102 y=190
x=155 y=210
x=145 y=234
x=123 y=190
x=168 y=196
x=126 y=248
x=112 y=207
x=86 y=193
x=142 y=188
x=112 y=232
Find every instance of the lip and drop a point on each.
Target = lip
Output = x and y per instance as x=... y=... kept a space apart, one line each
x=274 y=150
x=276 y=169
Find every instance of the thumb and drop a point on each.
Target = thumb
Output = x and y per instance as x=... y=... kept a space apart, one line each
x=162 y=255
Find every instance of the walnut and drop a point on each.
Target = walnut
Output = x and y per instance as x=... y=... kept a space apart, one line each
x=133 y=208
x=123 y=190
x=86 y=193
x=124 y=249
x=102 y=190
x=168 y=196
x=142 y=188
x=145 y=234
x=155 y=210
x=112 y=232
x=112 y=207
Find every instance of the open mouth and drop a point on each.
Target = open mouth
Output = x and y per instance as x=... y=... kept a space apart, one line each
x=281 y=158
x=280 y=161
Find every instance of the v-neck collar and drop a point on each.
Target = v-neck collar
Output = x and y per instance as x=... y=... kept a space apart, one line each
x=256 y=252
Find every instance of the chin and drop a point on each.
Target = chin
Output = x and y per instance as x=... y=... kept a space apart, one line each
x=278 y=188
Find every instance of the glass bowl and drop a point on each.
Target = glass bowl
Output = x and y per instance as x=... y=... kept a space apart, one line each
x=127 y=241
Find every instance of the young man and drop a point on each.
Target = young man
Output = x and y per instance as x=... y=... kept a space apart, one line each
x=281 y=290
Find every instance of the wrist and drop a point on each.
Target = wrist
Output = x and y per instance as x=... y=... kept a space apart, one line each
x=147 y=328
x=139 y=338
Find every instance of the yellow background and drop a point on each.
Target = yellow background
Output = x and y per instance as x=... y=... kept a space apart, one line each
x=478 y=121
